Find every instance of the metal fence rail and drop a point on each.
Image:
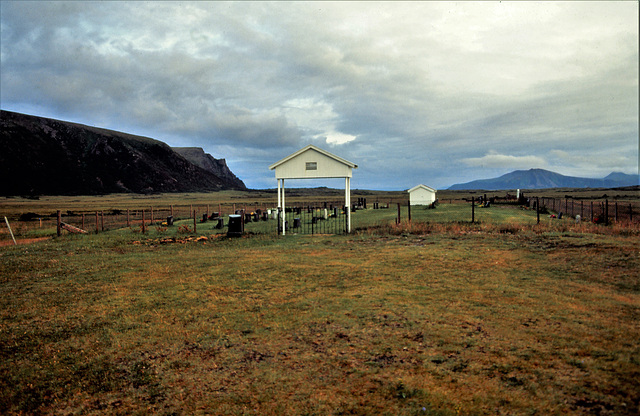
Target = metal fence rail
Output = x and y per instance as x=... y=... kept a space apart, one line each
x=314 y=220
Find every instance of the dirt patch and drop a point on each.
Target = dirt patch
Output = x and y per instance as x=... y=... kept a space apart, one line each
x=174 y=240
x=23 y=241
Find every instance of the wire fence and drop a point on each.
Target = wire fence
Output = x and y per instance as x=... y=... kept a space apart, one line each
x=33 y=225
x=600 y=211
x=329 y=217
x=312 y=219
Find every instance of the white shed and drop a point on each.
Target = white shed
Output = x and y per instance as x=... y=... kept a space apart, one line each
x=422 y=195
x=311 y=162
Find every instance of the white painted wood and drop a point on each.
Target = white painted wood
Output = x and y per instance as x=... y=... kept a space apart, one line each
x=284 y=216
x=279 y=193
x=311 y=162
x=301 y=164
x=422 y=195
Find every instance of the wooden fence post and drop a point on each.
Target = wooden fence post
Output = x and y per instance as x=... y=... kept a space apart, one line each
x=11 y=231
x=572 y=208
x=128 y=223
x=630 y=213
x=144 y=227
x=591 y=211
x=102 y=219
x=171 y=208
x=398 y=220
x=473 y=210
x=83 y=221
x=538 y=210
x=409 y=210
x=97 y=223
x=151 y=222
x=194 y=221
x=606 y=210
x=59 y=229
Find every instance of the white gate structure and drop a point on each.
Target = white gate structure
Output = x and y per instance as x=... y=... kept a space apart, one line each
x=311 y=162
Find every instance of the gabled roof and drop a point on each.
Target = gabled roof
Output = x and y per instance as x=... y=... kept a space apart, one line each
x=317 y=149
x=421 y=186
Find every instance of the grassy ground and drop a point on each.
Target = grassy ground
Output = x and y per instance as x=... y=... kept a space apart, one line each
x=361 y=219
x=43 y=209
x=416 y=319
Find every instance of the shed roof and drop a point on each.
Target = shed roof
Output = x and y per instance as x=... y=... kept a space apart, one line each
x=317 y=149
x=421 y=186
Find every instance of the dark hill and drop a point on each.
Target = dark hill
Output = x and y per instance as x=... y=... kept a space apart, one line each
x=218 y=167
x=541 y=179
x=45 y=156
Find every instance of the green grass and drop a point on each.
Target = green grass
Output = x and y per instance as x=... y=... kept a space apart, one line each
x=436 y=317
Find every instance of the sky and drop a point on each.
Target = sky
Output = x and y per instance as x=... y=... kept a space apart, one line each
x=429 y=92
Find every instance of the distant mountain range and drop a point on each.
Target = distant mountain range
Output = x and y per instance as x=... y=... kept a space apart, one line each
x=541 y=179
x=41 y=156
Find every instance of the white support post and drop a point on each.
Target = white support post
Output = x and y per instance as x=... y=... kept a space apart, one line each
x=284 y=210
x=347 y=201
x=279 y=206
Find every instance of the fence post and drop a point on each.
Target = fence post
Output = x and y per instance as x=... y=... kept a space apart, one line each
x=144 y=226
x=473 y=209
x=538 y=210
x=151 y=222
x=409 y=210
x=630 y=213
x=194 y=221
x=606 y=211
x=83 y=221
x=398 y=220
x=572 y=208
x=59 y=225
x=11 y=231
x=128 y=223
x=102 y=220
x=581 y=209
x=97 y=224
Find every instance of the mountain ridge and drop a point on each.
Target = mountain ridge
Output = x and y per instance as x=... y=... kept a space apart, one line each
x=44 y=156
x=218 y=167
x=542 y=179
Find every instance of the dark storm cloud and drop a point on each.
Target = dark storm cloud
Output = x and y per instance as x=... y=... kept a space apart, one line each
x=430 y=92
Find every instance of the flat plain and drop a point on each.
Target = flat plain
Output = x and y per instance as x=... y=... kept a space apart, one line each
x=434 y=317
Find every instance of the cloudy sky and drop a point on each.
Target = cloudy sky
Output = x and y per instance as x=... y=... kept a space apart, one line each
x=418 y=92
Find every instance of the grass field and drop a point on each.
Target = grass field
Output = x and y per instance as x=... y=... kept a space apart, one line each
x=436 y=317
x=114 y=207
